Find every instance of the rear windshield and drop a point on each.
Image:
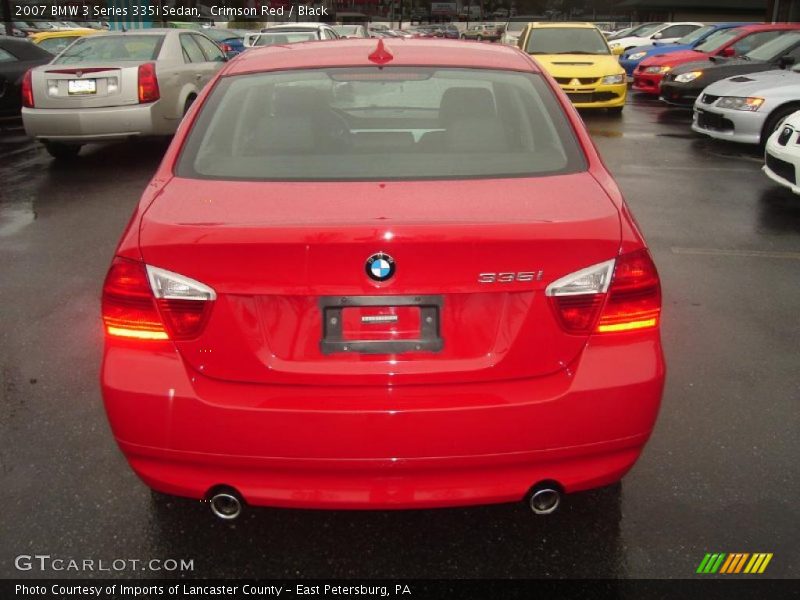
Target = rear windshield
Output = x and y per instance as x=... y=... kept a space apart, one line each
x=56 y=45
x=288 y=37
x=371 y=124
x=112 y=47
x=566 y=40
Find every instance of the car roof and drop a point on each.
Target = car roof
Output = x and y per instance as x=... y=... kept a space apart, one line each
x=769 y=26
x=299 y=26
x=282 y=30
x=150 y=31
x=405 y=52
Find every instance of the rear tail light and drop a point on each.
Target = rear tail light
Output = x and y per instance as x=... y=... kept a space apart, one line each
x=27 y=90
x=148 y=303
x=226 y=47
x=613 y=296
x=148 y=83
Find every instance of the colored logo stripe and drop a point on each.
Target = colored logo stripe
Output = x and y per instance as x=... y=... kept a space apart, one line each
x=758 y=563
x=734 y=563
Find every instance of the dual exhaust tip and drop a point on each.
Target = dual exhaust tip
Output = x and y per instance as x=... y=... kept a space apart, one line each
x=227 y=504
x=544 y=499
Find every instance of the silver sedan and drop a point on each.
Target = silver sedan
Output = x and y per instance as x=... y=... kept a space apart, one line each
x=747 y=108
x=117 y=86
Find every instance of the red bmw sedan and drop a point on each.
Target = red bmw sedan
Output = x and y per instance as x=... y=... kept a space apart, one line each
x=371 y=276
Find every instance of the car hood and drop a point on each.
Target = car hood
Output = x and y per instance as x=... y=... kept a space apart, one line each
x=579 y=65
x=721 y=68
x=760 y=83
x=675 y=58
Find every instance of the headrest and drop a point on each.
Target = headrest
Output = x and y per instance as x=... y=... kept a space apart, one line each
x=466 y=102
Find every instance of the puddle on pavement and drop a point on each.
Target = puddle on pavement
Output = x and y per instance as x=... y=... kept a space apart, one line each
x=15 y=217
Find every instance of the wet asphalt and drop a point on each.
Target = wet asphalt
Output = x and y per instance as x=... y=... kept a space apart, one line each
x=720 y=473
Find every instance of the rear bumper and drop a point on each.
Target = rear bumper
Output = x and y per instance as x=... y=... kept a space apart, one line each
x=96 y=124
x=371 y=447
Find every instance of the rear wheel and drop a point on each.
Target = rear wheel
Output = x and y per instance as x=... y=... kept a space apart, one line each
x=62 y=151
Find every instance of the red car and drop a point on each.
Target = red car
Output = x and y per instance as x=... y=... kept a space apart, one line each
x=724 y=44
x=336 y=295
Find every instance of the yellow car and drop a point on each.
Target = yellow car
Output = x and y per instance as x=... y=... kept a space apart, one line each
x=55 y=41
x=579 y=58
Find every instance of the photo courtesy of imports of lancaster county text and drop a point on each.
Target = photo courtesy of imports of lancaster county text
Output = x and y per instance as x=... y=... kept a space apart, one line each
x=400 y=299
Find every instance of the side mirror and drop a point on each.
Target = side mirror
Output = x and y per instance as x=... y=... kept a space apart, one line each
x=728 y=52
x=657 y=36
x=786 y=61
x=617 y=50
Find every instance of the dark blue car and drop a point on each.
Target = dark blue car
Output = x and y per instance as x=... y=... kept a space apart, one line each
x=631 y=58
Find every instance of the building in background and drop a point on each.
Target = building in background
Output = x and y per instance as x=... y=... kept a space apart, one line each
x=696 y=10
x=783 y=10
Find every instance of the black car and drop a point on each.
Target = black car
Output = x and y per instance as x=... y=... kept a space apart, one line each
x=683 y=85
x=16 y=57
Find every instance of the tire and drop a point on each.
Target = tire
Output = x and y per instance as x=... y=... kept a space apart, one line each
x=462 y=36
x=480 y=38
x=775 y=119
x=61 y=151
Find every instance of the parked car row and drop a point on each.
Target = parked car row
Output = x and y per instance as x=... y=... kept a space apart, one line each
x=742 y=82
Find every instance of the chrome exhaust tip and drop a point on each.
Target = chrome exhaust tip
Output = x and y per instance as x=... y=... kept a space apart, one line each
x=226 y=505
x=545 y=500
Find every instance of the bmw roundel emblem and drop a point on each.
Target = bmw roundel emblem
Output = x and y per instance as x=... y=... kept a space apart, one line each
x=380 y=266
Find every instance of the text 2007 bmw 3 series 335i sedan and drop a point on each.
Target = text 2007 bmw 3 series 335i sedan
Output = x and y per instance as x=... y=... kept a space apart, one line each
x=371 y=276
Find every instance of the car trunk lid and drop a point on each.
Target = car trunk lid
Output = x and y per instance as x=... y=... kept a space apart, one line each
x=86 y=85
x=473 y=256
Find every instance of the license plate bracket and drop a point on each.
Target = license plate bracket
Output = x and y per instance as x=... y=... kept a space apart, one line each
x=81 y=87
x=333 y=340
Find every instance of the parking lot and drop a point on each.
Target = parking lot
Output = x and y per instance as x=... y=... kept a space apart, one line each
x=720 y=473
